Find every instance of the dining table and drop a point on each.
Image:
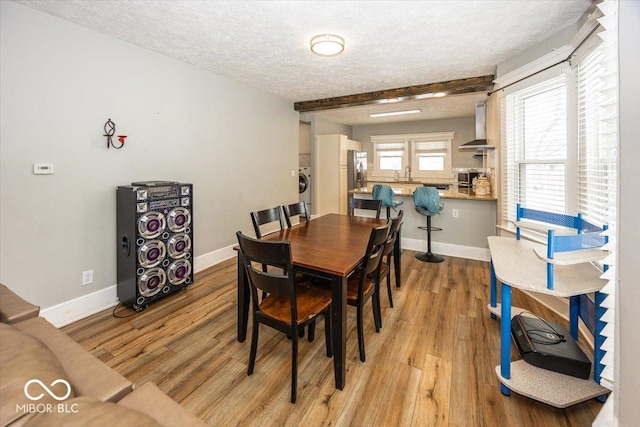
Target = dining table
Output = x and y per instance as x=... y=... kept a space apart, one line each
x=329 y=247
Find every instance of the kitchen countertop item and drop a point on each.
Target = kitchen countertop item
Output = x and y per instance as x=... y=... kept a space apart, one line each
x=406 y=190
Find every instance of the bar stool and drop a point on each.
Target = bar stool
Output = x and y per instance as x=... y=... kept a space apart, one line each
x=385 y=194
x=427 y=201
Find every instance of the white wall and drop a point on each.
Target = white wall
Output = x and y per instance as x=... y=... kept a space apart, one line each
x=322 y=126
x=538 y=50
x=628 y=409
x=60 y=82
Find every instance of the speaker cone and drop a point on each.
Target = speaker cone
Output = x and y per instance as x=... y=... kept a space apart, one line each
x=151 y=253
x=151 y=224
x=179 y=219
x=179 y=245
x=151 y=282
x=179 y=271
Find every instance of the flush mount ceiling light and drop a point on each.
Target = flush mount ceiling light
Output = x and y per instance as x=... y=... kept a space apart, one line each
x=394 y=113
x=439 y=94
x=327 y=44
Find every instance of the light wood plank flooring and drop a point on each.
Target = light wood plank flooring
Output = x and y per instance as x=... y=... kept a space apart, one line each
x=432 y=364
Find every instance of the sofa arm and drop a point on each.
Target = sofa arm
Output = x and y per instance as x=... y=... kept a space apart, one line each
x=153 y=402
x=13 y=308
x=89 y=376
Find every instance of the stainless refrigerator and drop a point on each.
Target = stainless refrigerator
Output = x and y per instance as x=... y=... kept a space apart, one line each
x=356 y=172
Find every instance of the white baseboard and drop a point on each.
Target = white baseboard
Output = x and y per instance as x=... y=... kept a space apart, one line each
x=606 y=417
x=459 y=251
x=78 y=308
x=209 y=259
x=81 y=307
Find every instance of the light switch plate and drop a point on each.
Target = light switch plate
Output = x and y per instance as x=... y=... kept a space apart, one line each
x=43 y=168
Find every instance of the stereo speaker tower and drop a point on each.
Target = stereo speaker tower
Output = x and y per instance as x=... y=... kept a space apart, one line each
x=155 y=240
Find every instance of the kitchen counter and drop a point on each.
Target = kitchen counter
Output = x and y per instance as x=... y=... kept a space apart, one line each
x=465 y=221
x=406 y=190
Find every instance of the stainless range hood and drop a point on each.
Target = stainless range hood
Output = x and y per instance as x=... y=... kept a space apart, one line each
x=480 y=143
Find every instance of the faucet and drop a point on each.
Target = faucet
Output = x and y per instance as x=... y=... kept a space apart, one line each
x=407 y=173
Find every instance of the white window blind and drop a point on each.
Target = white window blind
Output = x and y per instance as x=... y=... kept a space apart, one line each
x=428 y=155
x=431 y=155
x=597 y=134
x=597 y=90
x=389 y=157
x=535 y=148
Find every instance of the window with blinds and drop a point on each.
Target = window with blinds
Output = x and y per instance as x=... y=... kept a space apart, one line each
x=390 y=157
x=431 y=155
x=428 y=155
x=535 y=148
x=597 y=92
x=597 y=134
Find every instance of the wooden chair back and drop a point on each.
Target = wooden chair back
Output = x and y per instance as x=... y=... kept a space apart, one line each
x=294 y=209
x=396 y=223
x=277 y=278
x=265 y=217
x=373 y=255
x=368 y=204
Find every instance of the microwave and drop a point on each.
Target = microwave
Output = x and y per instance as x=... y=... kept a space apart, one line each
x=465 y=179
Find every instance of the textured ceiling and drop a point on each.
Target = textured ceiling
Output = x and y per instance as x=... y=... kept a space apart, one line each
x=388 y=44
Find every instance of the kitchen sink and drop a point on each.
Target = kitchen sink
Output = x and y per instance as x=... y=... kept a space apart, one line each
x=438 y=186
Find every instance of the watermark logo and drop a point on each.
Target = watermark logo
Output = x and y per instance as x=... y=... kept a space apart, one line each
x=47 y=389
x=38 y=408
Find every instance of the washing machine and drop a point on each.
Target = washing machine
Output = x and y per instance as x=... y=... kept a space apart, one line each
x=304 y=185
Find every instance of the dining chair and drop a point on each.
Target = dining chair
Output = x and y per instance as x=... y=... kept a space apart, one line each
x=362 y=285
x=367 y=204
x=301 y=209
x=266 y=216
x=288 y=307
x=387 y=254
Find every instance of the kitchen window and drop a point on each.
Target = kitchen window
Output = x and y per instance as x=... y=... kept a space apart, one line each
x=428 y=155
x=390 y=157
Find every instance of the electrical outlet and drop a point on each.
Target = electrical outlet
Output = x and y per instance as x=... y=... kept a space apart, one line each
x=87 y=277
x=455 y=213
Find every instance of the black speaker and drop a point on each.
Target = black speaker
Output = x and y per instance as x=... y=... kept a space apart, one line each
x=155 y=240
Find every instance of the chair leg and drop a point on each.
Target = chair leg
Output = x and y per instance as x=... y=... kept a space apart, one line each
x=254 y=347
x=312 y=331
x=294 y=367
x=360 y=333
x=375 y=306
x=389 y=286
x=327 y=333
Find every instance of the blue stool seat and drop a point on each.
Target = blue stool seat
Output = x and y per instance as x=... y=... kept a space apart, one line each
x=385 y=194
x=427 y=201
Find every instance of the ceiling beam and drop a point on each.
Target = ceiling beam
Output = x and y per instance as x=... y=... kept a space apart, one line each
x=451 y=87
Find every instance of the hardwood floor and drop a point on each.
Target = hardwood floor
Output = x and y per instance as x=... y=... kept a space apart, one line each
x=432 y=364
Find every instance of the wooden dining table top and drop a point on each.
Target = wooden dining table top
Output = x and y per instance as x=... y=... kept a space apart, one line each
x=332 y=243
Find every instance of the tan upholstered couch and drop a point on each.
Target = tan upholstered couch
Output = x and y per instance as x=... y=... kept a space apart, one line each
x=47 y=379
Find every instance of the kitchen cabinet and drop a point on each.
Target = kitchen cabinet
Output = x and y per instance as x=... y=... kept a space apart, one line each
x=330 y=170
